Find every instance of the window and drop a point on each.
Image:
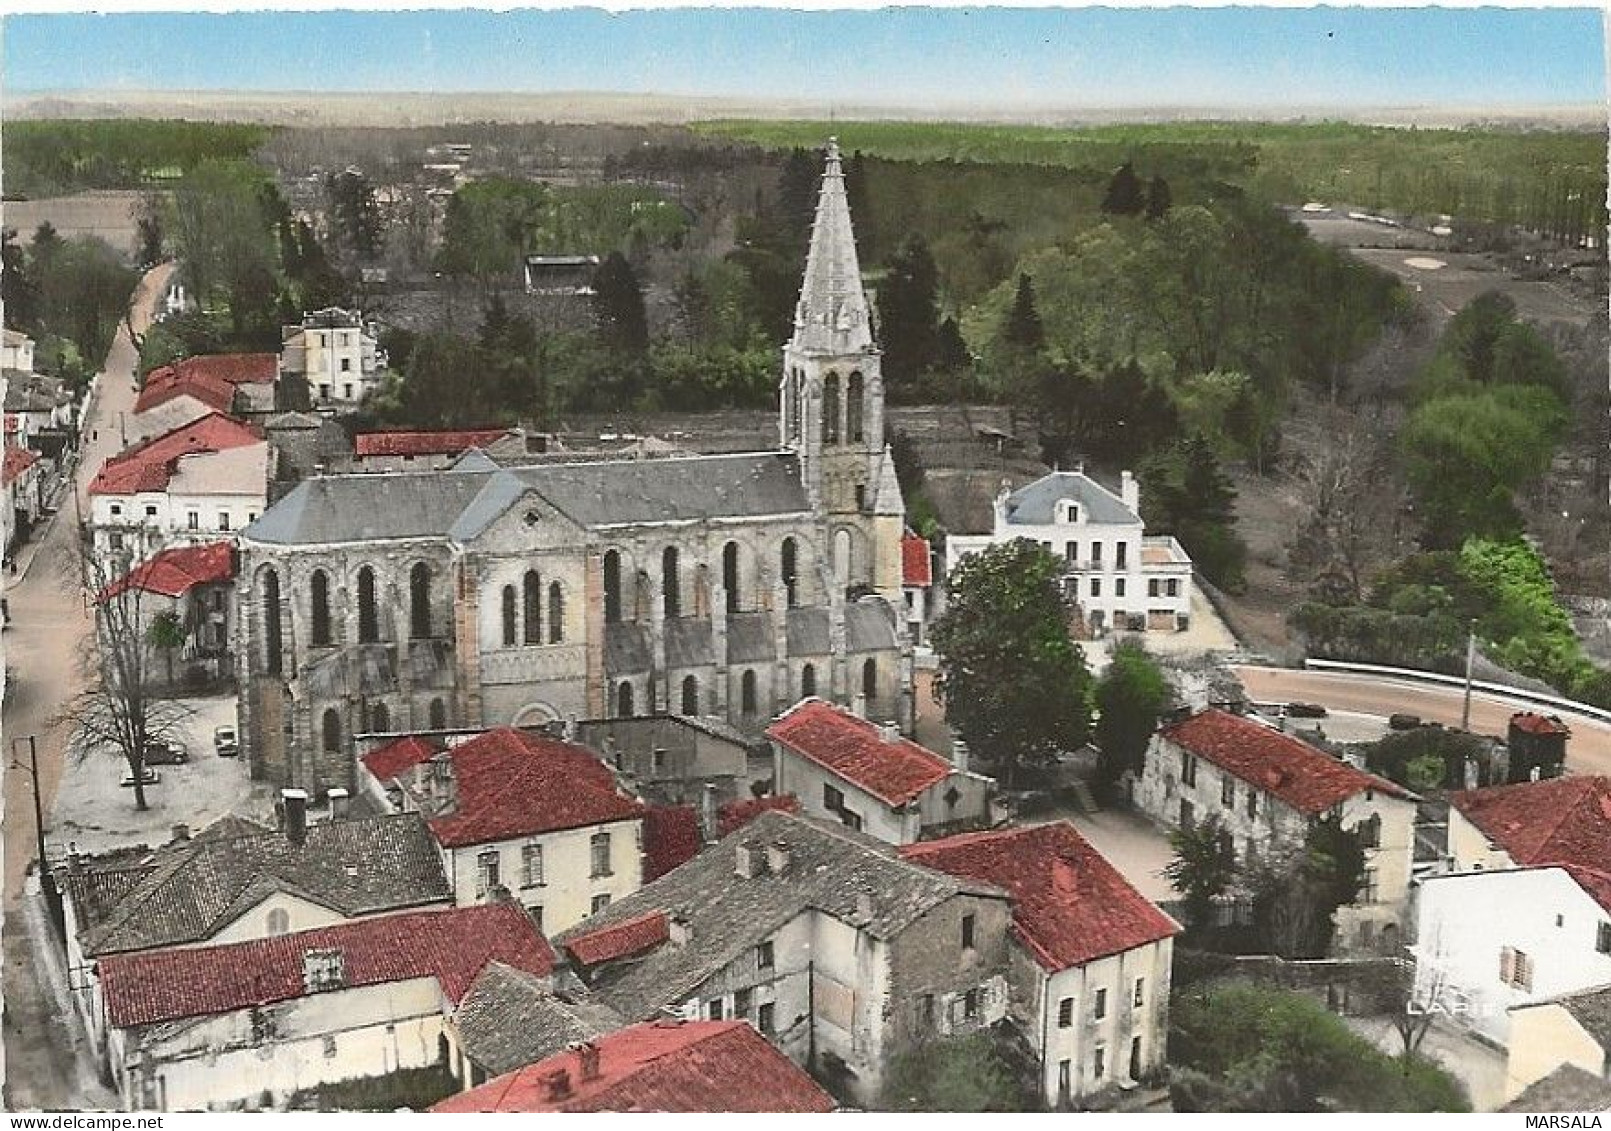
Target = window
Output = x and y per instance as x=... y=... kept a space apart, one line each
x=1152 y=586
x=612 y=587
x=1139 y=997
x=319 y=592
x=970 y=1004
x=861 y=496
x=1099 y=1063
x=765 y=956
x=854 y=396
x=1096 y=587
x=1065 y=1013
x=511 y=631
x=1370 y=831
x=1118 y=587
x=150 y=511
x=601 y=855
x=1099 y=1009
x=419 y=601
x=766 y=1018
x=1064 y=1082
x=531 y=866
x=1516 y=968
x=332 y=732
x=657 y=760
x=623 y=701
x=1252 y=803
x=193 y=520
x=600 y=902
x=438 y=714
x=747 y=693
x=1188 y=814
x=368 y=612
x=531 y=592
x=967 y=931
x=1096 y=553
x=1071 y=552
x=223 y=520
x=742 y=1000
x=869 y=681
x=925 y=1011
x=1173 y=587
x=346 y=366
x=117 y=510
x=789 y=572
x=115 y=541
x=830 y=409
x=556 y=613
x=279 y=921
x=1120 y=553
x=1602 y=940
x=808 y=681
x=1135 y=1058
x=1367 y=890
x=271 y=621
x=251 y=516
x=486 y=873
x=1188 y=770
x=832 y=799
x=713 y=1009
x=730 y=575
x=670 y=586
x=329 y=1047
x=1227 y=791
x=690 y=695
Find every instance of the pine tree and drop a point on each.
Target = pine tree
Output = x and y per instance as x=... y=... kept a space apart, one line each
x=618 y=306
x=951 y=350
x=908 y=311
x=1158 y=198
x=1023 y=328
x=1125 y=196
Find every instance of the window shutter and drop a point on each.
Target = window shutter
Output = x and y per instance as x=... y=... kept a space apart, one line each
x=1524 y=972
x=1507 y=965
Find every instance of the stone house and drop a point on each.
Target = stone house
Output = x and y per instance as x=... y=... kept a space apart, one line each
x=674 y=759
x=1119 y=576
x=834 y=948
x=196 y=586
x=520 y=812
x=249 y=1024
x=1572 y=1029
x=1542 y=851
x=1091 y=957
x=1266 y=788
x=236 y=881
x=513 y=596
x=664 y=1066
x=511 y=1018
x=203 y=481
x=871 y=778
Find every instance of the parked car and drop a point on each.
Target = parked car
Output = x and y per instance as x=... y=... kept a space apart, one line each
x=163 y=753
x=225 y=742
x=1403 y=722
x=151 y=778
x=1305 y=711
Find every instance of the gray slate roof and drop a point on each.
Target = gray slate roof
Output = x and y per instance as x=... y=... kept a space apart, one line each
x=1592 y=1010
x=510 y=1018
x=869 y=625
x=460 y=504
x=727 y=915
x=1036 y=503
x=1567 y=1089
x=195 y=888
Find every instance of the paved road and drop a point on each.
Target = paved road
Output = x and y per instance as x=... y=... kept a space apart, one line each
x=49 y=627
x=1588 y=751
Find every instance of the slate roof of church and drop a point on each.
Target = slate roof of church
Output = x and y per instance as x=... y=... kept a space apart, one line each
x=460 y=504
x=828 y=868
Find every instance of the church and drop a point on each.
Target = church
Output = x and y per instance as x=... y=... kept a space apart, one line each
x=483 y=595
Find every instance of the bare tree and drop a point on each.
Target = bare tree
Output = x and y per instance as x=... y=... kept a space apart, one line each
x=1410 y=994
x=119 y=710
x=1351 y=494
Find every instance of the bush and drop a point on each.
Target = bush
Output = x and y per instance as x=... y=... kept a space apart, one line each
x=961 y=1074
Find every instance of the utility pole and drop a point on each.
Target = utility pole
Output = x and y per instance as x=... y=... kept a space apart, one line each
x=1471 y=656
x=47 y=882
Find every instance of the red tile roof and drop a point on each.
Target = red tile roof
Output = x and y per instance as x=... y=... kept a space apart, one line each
x=173 y=573
x=620 y=940
x=512 y=783
x=17 y=460
x=452 y=946
x=442 y=443
x=665 y=1066
x=895 y=771
x=1307 y=779
x=671 y=838
x=151 y=464
x=1561 y=822
x=1069 y=905
x=1532 y=723
x=736 y=814
x=211 y=379
x=917 y=566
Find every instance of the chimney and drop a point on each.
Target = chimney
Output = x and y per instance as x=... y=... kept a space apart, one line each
x=587 y=1054
x=707 y=812
x=339 y=800
x=858 y=706
x=777 y=857
x=751 y=862
x=889 y=731
x=1130 y=491
x=959 y=756
x=296 y=814
x=557 y=1084
x=181 y=833
x=678 y=931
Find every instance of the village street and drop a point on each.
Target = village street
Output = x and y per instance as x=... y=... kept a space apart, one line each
x=49 y=630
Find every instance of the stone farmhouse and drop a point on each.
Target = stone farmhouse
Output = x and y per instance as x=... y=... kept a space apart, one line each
x=727 y=585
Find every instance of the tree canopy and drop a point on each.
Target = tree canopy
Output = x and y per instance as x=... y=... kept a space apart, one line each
x=1130 y=697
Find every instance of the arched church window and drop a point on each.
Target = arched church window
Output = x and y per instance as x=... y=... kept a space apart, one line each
x=419 y=601
x=368 y=610
x=271 y=621
x=438 y=714
x=747 y=692
x=511 y=614
x=330 y=738
x=855 y=395
x=869 y=680
x=830 y=409
x=788 y=570
x=670 y=583
x=556 y=612
x=612 y=587
x=319 y=597
x=623 y=701
x=690 y=695
x=532 y=607
x=730 y=575
x=808 y=681
x=841 y=556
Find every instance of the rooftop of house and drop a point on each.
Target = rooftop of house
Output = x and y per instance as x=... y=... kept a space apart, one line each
x=505 y=783
x=412 y=443
x=892 y=768
x=1036 y=504
x=1567 y=1089
x=462 y=504
x=671 y=837
x=452 y=945
x=1532 y=723
x=193 y=888
x=1590 y=1008
x=917 y=566
x=715 y=914
x=1309 y=780
x=210 y=379
x=1558 y=822
x=511 y=1018
x=16 y=461
x=175 y=572
x=331 y=317
x=663 y=1066
x=620 y=940
x=1069 y=905
x=734 y=815
x=151 y=464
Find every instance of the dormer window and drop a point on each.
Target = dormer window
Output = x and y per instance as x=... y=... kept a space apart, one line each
x=1070 y=512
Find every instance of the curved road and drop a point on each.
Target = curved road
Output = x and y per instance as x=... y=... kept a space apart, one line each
x=1588 y=751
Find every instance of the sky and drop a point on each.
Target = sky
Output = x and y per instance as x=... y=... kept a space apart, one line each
x=1120 y=57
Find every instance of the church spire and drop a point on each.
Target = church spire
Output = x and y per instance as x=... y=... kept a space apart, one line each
x=831 y=316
